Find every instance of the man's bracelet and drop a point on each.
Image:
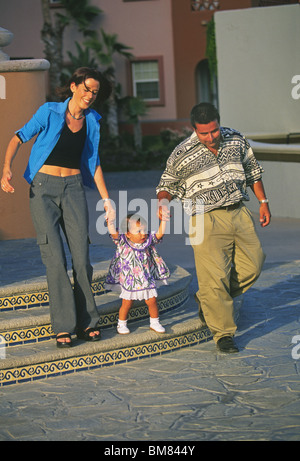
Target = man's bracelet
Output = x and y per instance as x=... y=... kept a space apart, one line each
x=265 y=200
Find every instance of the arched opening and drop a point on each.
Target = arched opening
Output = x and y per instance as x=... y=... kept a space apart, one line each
x=206 y=90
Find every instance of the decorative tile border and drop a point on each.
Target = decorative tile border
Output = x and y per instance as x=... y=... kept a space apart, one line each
x=27 y=335
x=24 y=301
x=98 y=287
x=61 y=367
x=39 y=333
x=39 y=298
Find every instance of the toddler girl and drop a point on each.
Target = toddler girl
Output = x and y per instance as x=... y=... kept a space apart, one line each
x=137 y=269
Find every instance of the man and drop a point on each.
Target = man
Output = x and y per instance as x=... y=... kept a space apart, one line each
x=209 y=172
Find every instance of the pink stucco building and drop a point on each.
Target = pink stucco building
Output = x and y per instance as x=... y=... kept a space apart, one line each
x=168 y=41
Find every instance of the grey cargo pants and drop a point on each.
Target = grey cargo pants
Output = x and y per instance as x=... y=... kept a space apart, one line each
x=59 y=203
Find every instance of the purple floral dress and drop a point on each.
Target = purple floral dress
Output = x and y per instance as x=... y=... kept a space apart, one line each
x=136 y=269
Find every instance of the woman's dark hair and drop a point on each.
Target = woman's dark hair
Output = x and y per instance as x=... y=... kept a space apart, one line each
x=204 y=113
x=80 y=76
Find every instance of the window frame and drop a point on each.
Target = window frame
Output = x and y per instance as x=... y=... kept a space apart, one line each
x=161 y=82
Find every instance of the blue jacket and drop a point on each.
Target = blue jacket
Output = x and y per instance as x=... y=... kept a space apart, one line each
x=48 y=123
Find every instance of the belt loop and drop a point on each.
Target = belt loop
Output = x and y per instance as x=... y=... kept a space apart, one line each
x=79 y=178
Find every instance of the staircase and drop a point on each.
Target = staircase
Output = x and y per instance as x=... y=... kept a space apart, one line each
x=28 y=350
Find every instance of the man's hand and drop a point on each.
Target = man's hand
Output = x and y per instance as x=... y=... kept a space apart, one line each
x=163 y=211
x=264 y=214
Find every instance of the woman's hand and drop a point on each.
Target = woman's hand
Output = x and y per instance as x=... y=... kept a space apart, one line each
x=110 y=215
x=11 y=152
x=5 y=180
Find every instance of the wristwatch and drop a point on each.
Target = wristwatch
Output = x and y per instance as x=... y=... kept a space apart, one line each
x=265 y=200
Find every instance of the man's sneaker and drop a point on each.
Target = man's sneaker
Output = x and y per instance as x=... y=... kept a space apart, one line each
x=122 y=327
x=156 y=326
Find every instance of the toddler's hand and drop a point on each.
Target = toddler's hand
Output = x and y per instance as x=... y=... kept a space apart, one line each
x=163 y=210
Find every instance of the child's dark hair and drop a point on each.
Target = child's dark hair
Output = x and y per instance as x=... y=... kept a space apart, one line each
x=130 y=219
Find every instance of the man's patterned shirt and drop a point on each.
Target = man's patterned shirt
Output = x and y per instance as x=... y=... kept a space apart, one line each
x=204 y=181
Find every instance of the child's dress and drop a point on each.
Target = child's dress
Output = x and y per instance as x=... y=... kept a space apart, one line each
x=136 y=269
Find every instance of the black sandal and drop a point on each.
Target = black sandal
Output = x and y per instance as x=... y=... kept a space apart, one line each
x=62 y=344
x=86 y=334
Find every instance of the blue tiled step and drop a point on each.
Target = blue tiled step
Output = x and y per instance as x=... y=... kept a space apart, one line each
x=34 y=292
x=43 y=360
x=33 y=325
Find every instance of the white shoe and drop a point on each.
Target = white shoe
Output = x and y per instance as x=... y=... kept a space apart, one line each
x=122 y=327
x=156 y=326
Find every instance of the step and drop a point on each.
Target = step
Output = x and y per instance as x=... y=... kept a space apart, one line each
x=43 y=360
x=24 y=308
x=32 y=293
x=32 y=324
x=31 y=354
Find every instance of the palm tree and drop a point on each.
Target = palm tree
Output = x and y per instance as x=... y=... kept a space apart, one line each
x=53 y=29
x=134 y=108
x=82 y=59
x=105 y=50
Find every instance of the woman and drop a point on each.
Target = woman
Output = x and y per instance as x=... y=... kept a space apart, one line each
x=63 y=158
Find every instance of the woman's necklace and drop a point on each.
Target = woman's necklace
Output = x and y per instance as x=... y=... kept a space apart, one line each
x=73 y=116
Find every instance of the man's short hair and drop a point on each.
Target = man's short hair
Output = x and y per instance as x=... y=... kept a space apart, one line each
x=204 y=113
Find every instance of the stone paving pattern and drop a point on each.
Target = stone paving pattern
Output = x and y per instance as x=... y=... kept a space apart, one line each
x=194 y=394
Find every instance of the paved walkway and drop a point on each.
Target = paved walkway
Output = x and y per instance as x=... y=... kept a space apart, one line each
x=186 y=396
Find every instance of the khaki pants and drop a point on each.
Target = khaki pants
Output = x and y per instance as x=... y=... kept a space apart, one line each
x=228 y=261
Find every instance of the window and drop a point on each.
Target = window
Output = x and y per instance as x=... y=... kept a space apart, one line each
x=147 y=80
x=207 y=89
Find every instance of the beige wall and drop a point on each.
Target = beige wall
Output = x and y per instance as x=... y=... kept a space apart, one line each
x=258 y=54
x=25 y=92
x=281 y=181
